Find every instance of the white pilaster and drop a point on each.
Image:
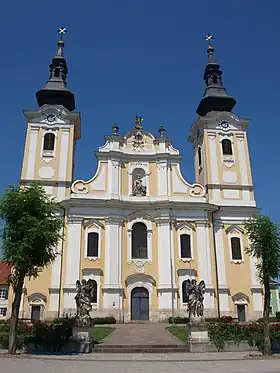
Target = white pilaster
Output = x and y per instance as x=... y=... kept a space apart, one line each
x=73 y=254
x=65 y=132
x=204 y=260
x=162 y=181
x=55 y=280
x=223 y=289
x=164 y=265
x=114 y=177
x=256 y=286
x=112 y=275
x=32 y=152
x=213 y=164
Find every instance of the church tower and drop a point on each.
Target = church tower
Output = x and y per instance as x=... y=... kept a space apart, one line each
x=219 y=138
x=52 y=132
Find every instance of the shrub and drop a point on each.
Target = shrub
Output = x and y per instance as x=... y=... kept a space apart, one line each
x=51 y=335
x=103 y=320
x=178 y=320
x=277 y=314
x=23 y=330
x=220 y=333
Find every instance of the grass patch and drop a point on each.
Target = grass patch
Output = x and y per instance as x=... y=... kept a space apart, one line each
x=98 y=333
x=181 y=332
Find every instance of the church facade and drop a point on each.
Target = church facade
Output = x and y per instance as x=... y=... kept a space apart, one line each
x=137 y=227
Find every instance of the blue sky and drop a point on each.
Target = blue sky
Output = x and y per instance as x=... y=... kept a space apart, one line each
x=147 y=58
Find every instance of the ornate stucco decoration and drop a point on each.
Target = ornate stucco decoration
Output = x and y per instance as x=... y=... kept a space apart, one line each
x=197 y=190
x=139 y=265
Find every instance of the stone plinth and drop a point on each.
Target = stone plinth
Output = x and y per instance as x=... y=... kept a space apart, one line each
x=198 y=336
x=81 y=340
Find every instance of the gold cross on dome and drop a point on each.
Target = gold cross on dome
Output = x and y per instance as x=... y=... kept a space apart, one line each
x=208 y=37
x=62 y=31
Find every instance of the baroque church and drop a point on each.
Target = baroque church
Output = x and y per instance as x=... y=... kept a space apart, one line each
x=137 y=228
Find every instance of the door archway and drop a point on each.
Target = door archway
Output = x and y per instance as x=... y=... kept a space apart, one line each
x=139 y=304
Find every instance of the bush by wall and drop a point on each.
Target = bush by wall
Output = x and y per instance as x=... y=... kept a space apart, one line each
x=178 y=320
x=103 y=320
x=222 y=332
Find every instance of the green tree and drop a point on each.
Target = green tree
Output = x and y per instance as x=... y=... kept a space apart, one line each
x=264 y=245
x=31 y=230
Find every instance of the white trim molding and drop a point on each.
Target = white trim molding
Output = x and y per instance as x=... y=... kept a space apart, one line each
x=184 y=274
x=235 y=231
x=140 y=280
x=149 y=226
x=93 y=274
x=49 y=155
x=185 y=227
x=145 y=167
x=93 y=226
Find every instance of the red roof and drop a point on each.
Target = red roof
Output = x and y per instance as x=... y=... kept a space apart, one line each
x=5 y=271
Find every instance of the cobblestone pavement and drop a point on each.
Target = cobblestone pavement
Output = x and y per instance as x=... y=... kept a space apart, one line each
x=141 y=334
x=34 y=365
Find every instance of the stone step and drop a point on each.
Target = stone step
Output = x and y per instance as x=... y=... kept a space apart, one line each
x=152 y=348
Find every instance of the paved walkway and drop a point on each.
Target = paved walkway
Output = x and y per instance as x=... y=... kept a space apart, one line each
x=26 y=365
x=141 y=334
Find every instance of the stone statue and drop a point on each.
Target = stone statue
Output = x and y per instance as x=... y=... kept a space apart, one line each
x=138 y=188
x=83 y=298
x=195 y=297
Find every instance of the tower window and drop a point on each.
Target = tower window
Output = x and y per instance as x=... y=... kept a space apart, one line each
x=199 y=156
x=139 y=241
x=215 y=79
x=57 y=72
x=235 y=248
x=49 y=140
x=92 y=244
x=227 y=147
x=185 y=241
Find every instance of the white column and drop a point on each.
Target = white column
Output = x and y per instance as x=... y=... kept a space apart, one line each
x=221 y=267
x=32 y=152
x=204 y=260
x=73 y=254
x=112 y=275
x=164 y=270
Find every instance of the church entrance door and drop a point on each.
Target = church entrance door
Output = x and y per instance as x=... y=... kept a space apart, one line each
x=139 y=304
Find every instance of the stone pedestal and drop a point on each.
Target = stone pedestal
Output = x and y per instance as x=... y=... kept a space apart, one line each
x=198 y=340
x=81 y=340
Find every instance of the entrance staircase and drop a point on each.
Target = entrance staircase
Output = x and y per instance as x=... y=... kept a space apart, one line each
x=141 y=338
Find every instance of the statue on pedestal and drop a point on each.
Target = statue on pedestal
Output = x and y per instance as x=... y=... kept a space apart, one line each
x=83 y=298
x=195 y=298
x=138 y=189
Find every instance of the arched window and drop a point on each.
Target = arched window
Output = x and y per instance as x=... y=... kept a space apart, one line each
x=92 y=244
x=49 y=140
x=236 y=248
x=227 y=147
x=184 y=294
x=199 y=156
x=186 y=250
x=94 y=292
x=139 y=241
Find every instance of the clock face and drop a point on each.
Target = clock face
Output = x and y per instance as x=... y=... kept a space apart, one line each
x=51 y=118
x=224 y=124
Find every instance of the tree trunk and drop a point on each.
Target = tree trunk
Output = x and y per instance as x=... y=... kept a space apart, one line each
x=266 y=312
x=14 y=315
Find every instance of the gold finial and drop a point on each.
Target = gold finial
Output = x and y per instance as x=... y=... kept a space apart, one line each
x=208 y=37
x=138 y=122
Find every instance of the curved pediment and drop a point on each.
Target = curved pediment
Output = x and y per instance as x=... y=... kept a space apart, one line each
x=181 y=187
x=95 y=185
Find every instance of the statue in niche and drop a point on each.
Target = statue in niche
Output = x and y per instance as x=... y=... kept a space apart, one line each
x=195 y=297
x=83 y=298
x=138 y=189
